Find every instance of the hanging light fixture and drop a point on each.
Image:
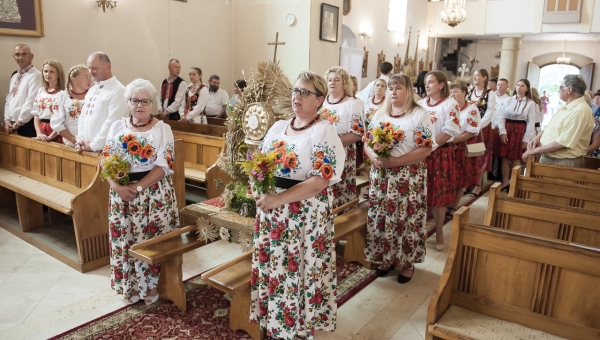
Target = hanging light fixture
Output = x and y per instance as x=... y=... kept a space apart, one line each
x=563 y=59
x=454 y=12
x=106 y=3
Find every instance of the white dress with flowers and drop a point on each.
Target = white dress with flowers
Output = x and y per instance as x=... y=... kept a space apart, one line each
x=67 y=115
x=45 y=104
x=396 y=222
x=152 y=212
x=293 y=281
x=347 y=117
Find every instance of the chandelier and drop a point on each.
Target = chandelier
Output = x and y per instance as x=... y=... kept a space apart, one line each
x=454 y=12
x=563 y=59
x=106 y=3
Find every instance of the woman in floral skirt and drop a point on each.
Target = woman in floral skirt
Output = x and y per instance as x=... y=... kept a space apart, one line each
x=346 y=114
x=396 y=224
x=293 y=280
x=146 y=207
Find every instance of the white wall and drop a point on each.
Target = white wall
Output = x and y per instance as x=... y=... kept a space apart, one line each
x=139 y=36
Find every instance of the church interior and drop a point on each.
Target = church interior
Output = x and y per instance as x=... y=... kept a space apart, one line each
x=52 y=283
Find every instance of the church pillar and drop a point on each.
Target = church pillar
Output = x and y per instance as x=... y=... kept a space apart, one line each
x=509 y=58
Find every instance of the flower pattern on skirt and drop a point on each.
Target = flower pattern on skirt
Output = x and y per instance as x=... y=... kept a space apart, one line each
x=397 y=217
x=467 y=168
x=152 y=212
x=512 y=149
x=345 y=191
x=441 y=177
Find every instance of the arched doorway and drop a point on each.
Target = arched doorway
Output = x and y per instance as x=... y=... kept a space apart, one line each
x=551 y=76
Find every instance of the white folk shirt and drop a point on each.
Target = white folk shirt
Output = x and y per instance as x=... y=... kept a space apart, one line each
x=490 y=112
x=45 y=104
x=500 y=101
x=370 y=109
x=470 y=119
x=515 y=109
x=368 y=91
x=195 y=114
x=18 y=107
x=445 y=117
x=67 y=116
x=216 y=100
x=104 y=103
x=177 y=102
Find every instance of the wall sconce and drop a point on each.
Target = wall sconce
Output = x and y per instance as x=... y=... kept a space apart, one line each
x=399 y=40
x=498 y=55
x=106 y=3
x=365 y=35
x=424 y=48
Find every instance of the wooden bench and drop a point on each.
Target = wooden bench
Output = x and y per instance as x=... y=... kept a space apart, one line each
x=565 y=174
x=233 y=277
x=34 y=174
x=522 y=286
x=549 y=220
x=168 y=250
x=551 y=190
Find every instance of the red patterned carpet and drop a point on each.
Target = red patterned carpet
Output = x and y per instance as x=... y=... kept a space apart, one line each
x=206 y=316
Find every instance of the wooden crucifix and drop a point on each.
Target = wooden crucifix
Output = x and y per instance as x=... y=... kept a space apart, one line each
x=276 y=43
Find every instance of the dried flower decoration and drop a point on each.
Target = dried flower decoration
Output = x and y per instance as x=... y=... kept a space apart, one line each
x=245 y=240
x=206 y=231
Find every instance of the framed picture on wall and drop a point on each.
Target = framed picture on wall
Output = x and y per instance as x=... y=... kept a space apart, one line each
x=329 y=22
x=21 y=17
x=347 y=7
x=365 y=63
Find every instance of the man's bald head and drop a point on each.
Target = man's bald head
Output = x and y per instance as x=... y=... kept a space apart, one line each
x=22 y=55
x=99 y=65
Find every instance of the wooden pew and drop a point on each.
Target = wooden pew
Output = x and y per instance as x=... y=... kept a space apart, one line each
x=548 y=220
x=592 y=163
x=497 y=280
x=233 y=277
x=565 y=174
x=551 y=190
x=35 y=174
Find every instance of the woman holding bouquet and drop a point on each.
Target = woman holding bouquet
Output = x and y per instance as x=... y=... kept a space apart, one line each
x=144 y=207
x=346 y=114
x=441 y=173
x=396 y=223
x=293 y=276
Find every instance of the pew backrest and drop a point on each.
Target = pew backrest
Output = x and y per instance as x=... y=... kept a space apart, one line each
x=564 y=174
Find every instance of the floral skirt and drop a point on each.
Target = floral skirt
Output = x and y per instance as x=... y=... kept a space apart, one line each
x=152 y=212
x=396 y=222
x=345 y=190
x=486 y=161
x=512 y=150
x=441 y=177
x=293 y=281
x=467 y=168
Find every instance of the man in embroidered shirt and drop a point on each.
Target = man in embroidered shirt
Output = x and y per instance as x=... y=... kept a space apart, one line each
x=565 y=140
x=386 y=69
x=217 y=99
x=172 y=92
x=104 y=103
x=501 y=98
x=24 y=86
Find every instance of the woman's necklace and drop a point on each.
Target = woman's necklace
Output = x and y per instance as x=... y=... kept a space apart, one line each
x=378 y=103
x=51 y=92
x=140 y=125
x=311 y=123
x=465 y=106
x=339 y=101
x=436 y=104
x=77 y=93
x=475 y=92
x=397 y=116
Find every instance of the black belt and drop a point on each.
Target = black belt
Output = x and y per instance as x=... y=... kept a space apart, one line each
x=45 y=120
x=137 y=176
x=538 y=124
x=174 y=116
x=445 y=145
x=516 y=121
x=285 y=183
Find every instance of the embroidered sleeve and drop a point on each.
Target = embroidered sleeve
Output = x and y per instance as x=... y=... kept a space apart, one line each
x=165 y=150
x=472 y=120
x=327 y=157
x=452 y=122
x=424 y=136
x=57 y=121
x=356 y=122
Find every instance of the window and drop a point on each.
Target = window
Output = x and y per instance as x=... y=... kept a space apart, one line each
x=562 y=11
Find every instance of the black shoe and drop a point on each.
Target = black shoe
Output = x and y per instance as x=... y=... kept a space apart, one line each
x=506 y=188
x=403 y=279
x=383 y=272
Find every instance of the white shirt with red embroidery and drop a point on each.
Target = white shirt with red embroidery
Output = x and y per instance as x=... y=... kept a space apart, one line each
x=445 y=117
x=470 y=119
x=45 y=104
x=67 y=115
x=18 y=105
x=105 y=102
x=523 y=110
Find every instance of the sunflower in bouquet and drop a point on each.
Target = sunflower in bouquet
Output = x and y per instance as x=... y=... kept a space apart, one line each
x=116 y=168
x=261 y=166
x=382 y=139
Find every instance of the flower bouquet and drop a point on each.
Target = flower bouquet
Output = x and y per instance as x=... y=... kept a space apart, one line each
x=381 y=139
x=261 y=167
x=116 y=168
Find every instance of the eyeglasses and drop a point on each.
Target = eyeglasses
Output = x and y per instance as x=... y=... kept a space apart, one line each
x=136 y=102
x=560 y=87
x=304 y=93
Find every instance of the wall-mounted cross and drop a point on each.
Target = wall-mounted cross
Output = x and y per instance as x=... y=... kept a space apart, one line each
x=463 y=69
x=276 y=43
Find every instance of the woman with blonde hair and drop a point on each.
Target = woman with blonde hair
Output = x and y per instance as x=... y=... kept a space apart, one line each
x=46 y=101
x=346 y=114
x=397 y=217
x=65 y=120
x=375 y=101
x=441 y=172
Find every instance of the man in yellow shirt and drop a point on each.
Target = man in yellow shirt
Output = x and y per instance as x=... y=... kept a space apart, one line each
x=565 y=140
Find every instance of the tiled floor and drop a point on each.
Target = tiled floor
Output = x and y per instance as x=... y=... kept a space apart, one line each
x=41 y=297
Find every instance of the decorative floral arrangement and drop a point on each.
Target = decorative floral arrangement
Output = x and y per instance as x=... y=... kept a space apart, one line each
x=138 y=149
x=116 y=168
x=324 y=164
x=423 y=138
x=75 y=109
x=333 y=118
x=206 y=230
x=381 y=139
x=225 y=234
x=261 y=167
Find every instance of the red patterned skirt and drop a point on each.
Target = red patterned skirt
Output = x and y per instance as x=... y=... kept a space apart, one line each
x=515 y=130
x=485 y=161
x=441 y=177
x=46 y=129
x=467 y=168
